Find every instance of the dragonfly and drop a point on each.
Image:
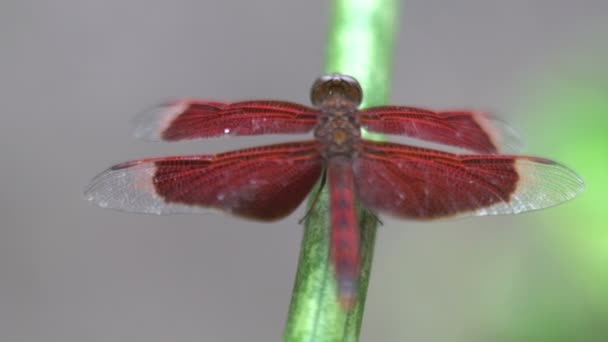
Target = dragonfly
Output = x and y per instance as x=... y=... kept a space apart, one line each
x=267 y=183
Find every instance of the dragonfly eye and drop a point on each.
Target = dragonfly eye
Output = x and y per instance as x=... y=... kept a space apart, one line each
x=335 y=84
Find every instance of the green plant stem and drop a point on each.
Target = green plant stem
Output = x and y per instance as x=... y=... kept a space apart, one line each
x=360 y=44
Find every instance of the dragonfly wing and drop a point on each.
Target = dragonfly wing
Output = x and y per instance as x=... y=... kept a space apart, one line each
x=475 y=131
x=193 y=119
x=264 y=183
x=421 y=183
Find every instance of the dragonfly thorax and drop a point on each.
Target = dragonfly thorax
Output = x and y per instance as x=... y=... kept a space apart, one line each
x=338 y=130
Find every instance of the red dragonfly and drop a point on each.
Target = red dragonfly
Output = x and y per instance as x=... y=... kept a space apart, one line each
x=269 y=182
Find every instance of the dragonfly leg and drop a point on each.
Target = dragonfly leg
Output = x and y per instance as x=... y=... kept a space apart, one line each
x=315 y=198
x=375 y=217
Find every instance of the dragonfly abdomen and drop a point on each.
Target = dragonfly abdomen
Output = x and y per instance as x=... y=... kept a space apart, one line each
x=344 y=230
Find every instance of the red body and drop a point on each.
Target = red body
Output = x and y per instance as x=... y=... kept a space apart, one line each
x=344 y=247
x=269 y=182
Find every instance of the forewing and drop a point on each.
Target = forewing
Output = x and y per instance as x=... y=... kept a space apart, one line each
x=192 y=119
x=264 y=183
x=475 y=131
x=421 y=183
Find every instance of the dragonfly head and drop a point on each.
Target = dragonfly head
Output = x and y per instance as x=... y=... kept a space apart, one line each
x=331 y=85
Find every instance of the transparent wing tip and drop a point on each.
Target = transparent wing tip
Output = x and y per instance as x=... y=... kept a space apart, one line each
x=543 y=184
x=125 y=187
x=505 y=137
x=152 y=122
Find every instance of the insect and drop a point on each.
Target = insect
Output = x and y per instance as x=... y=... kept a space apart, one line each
x=269 y=182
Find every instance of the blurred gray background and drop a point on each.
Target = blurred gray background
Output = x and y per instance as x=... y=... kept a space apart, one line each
x=74 y=72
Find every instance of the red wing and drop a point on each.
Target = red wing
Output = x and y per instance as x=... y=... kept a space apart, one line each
x=474 y=131
x=422 y=184
x=191 y=119
x=264 y=183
